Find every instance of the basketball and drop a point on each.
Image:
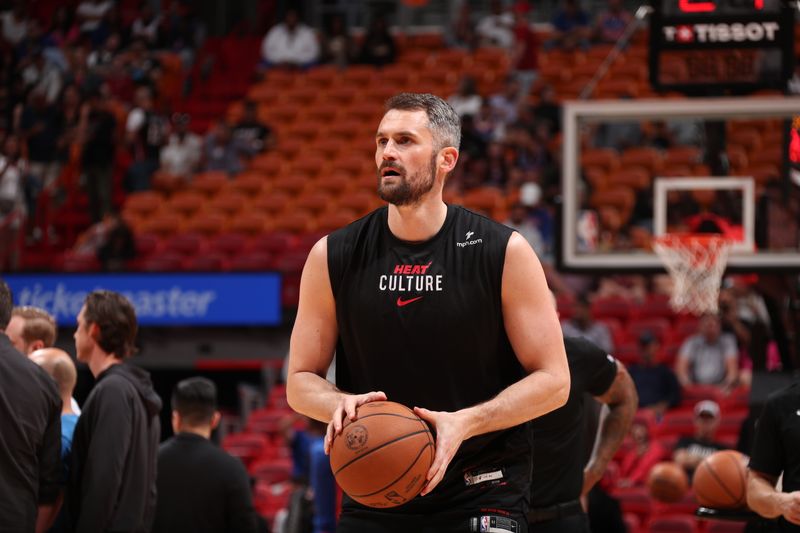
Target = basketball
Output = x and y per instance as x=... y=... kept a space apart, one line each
x=667 y=482
x=720 y=481
x=381 y=458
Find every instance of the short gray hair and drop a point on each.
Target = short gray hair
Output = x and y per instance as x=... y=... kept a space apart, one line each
x=443 y=121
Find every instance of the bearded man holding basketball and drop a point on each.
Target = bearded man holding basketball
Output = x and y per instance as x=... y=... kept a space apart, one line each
x=431 y=305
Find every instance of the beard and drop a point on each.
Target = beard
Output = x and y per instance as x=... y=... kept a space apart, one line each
x=406 y=191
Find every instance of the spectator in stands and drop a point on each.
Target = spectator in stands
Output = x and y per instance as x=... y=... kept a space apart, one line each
x=547 y=110
x=12 y=174
x=30 y=329
x=113 y=474
x=101 y=59
x=200 y=487
x=146 y=25
x=709 y=357
x=504 y=105
x=58 y=364
x=62 y=30
x=91 y=15
x=145 y=132
x=461 y=33
x=519 y=220
x=111 y=240
x=583 y=325
x=570 y=27
x=290 y=44
x=656 y=383
x=337 y=46
x=221 y=152
x=496 y=28
x=378 y=47
x=748 y=316
x=466 y=100
x=525 y=51
x=690 y=451
x=473 y=144
x=15 y=23
x=181 y=156
x=251 y=133
x=41 y=127
x=30 y=436
x=97 y=130
x=658 y=135
x=635 y=464
x=39 y=72
x=609 y=26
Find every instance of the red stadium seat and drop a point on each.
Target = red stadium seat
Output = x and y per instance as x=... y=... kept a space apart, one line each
x=656 y=326
x=676 y=423
x=725 y=527
x=245 y=446
x=206 y=262
x=184 y=244
x=273 y=242
x=635 y=500
x=271 y=471
x=253 y=261
x=611 y=307
x=227 y=244
x=163 y=263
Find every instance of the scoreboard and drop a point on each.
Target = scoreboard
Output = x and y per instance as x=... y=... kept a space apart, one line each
x=712 y=46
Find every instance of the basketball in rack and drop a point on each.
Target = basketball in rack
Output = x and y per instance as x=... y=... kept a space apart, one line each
x=696 y=263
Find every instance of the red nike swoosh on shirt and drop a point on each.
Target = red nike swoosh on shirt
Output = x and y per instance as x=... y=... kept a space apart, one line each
x=401 y=302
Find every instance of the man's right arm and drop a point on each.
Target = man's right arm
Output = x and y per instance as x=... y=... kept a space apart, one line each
x=764 y=499
x=311 y=350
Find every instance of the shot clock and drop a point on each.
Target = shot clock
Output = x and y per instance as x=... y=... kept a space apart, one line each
x=711 y=47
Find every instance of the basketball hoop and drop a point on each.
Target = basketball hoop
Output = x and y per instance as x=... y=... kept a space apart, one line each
x=696 y=263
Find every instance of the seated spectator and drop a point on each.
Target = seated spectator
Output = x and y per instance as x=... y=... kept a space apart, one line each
x=519 y=220
x=337 y=46
x=15 y=24
x=62 y=30
x=636 y=463
x=690 y=451
x=473 y=143
x=570 y=27
x=181 y=157
x=214 y=497
x=378 y=47
x=253 y=135
x=146 y=25
x=466 y=100
x=290 y=44
x=13 y=169
x=548 y=111
x=221 y=151
x=656 y=383
x=111 y=240
x=91 y=14
x=496 y=28
x=610 y=24
x=709 y=357
x=504 y=105
x=583 y=325
x=101 y=59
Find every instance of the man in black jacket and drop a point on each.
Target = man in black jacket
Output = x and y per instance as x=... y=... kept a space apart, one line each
x=114 y=451
x=30 y=436
x=200 y=487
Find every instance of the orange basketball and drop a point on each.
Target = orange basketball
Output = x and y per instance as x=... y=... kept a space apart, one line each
x=667 y=482
x=381 y=458
x=720 y=481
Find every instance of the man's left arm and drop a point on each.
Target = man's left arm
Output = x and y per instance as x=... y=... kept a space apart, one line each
x=533 y=329
x=622 y=401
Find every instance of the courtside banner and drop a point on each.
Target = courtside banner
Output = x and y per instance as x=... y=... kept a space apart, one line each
x=246 y=299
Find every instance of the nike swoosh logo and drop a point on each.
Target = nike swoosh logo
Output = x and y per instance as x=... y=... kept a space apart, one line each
x=401 y=302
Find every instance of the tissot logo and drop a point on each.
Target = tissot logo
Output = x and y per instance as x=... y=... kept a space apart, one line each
x=722 y=33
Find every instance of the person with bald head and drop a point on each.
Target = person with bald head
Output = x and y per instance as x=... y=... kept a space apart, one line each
x=58 y=364
x=31 y=328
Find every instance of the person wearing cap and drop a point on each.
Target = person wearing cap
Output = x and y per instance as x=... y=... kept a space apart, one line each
x=655 y=382
x=690 y=451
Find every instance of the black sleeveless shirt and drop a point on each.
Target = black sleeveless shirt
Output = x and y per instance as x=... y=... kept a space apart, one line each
x=423 y=322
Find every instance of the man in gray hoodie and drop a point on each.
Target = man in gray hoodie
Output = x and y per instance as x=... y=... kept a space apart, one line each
x=115 y=447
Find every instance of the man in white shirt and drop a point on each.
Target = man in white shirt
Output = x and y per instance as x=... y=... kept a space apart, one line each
x=91 y=12
x=497 y=28
x=709 y=357
x=290 y=44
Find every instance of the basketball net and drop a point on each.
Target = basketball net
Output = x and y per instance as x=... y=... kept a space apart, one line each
x=696 y=263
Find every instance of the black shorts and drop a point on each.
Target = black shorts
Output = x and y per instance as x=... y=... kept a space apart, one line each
x=578 y=523
x=447 y=521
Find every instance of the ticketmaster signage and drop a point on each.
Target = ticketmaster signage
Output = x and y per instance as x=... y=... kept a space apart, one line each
x=160 y=299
